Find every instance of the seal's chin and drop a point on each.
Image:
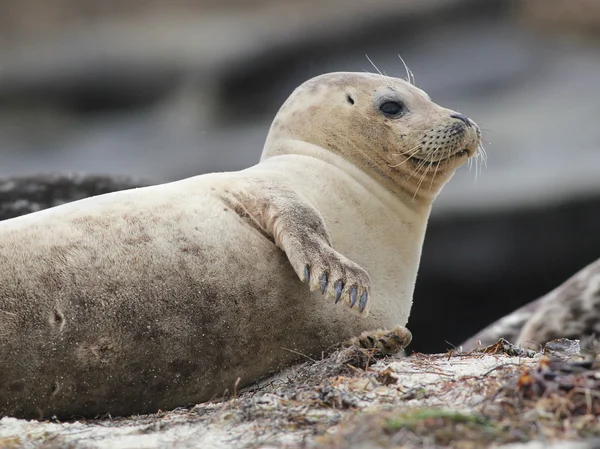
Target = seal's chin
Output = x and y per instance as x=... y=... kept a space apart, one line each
x=464 y=153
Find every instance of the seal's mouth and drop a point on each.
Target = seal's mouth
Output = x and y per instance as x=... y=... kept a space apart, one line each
x=458 y=155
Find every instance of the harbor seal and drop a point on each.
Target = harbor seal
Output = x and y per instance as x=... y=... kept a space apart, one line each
x=168 y=295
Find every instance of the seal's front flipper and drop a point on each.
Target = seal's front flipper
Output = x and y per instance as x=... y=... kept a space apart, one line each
x=334 y=275
x=385 y=342
x=299 y=229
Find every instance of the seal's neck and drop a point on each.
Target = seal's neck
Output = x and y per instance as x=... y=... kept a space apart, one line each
x=370 y=176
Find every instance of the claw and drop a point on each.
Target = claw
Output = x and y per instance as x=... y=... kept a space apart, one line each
x=338 y=291
x=306 y=273
x=323 y=282
x=383 y=342
x=353 y=293
x=363 y=301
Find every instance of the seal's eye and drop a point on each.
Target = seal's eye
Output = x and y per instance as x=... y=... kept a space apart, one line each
x=392 y=108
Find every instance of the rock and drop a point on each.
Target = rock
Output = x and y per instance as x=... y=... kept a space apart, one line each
x=572 y=310
x=476 y=269
x=22 y=195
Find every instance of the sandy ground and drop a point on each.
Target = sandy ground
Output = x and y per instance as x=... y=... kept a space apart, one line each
x=481 y=399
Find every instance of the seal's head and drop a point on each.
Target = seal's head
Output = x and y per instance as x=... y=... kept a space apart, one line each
x=386 y=126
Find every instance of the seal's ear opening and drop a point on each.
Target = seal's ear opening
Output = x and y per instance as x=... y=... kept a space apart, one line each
x=350 y=99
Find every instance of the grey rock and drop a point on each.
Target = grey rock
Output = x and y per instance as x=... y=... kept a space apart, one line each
x=476 y=269
x=22 y=195
x=572 y=310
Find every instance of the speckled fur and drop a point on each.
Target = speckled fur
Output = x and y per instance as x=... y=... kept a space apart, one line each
x=571 y=310
x=166 y=295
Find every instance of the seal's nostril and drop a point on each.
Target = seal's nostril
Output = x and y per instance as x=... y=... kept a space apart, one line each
x=462 y=118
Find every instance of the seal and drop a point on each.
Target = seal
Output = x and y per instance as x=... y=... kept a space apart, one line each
x=571 y=310
x=169 y=295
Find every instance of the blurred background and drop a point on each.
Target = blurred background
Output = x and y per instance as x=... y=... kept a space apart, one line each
x=163 y=90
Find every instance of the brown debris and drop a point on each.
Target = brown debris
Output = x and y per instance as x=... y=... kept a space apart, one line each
x=556 y=398
x=574 y=386
x=502 y=346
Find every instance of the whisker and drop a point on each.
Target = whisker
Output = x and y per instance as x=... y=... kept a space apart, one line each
x=427 y=168
x=402 y=153
x=379 y=71
x=374 y=66
x=425 y=163
x=409 y=156
x=435 y=171
x=483 y=163
x=409 y=72
x=419 y=166
x=414 y=171
x=401 y=163
x=481 y=156
x=484 y=155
